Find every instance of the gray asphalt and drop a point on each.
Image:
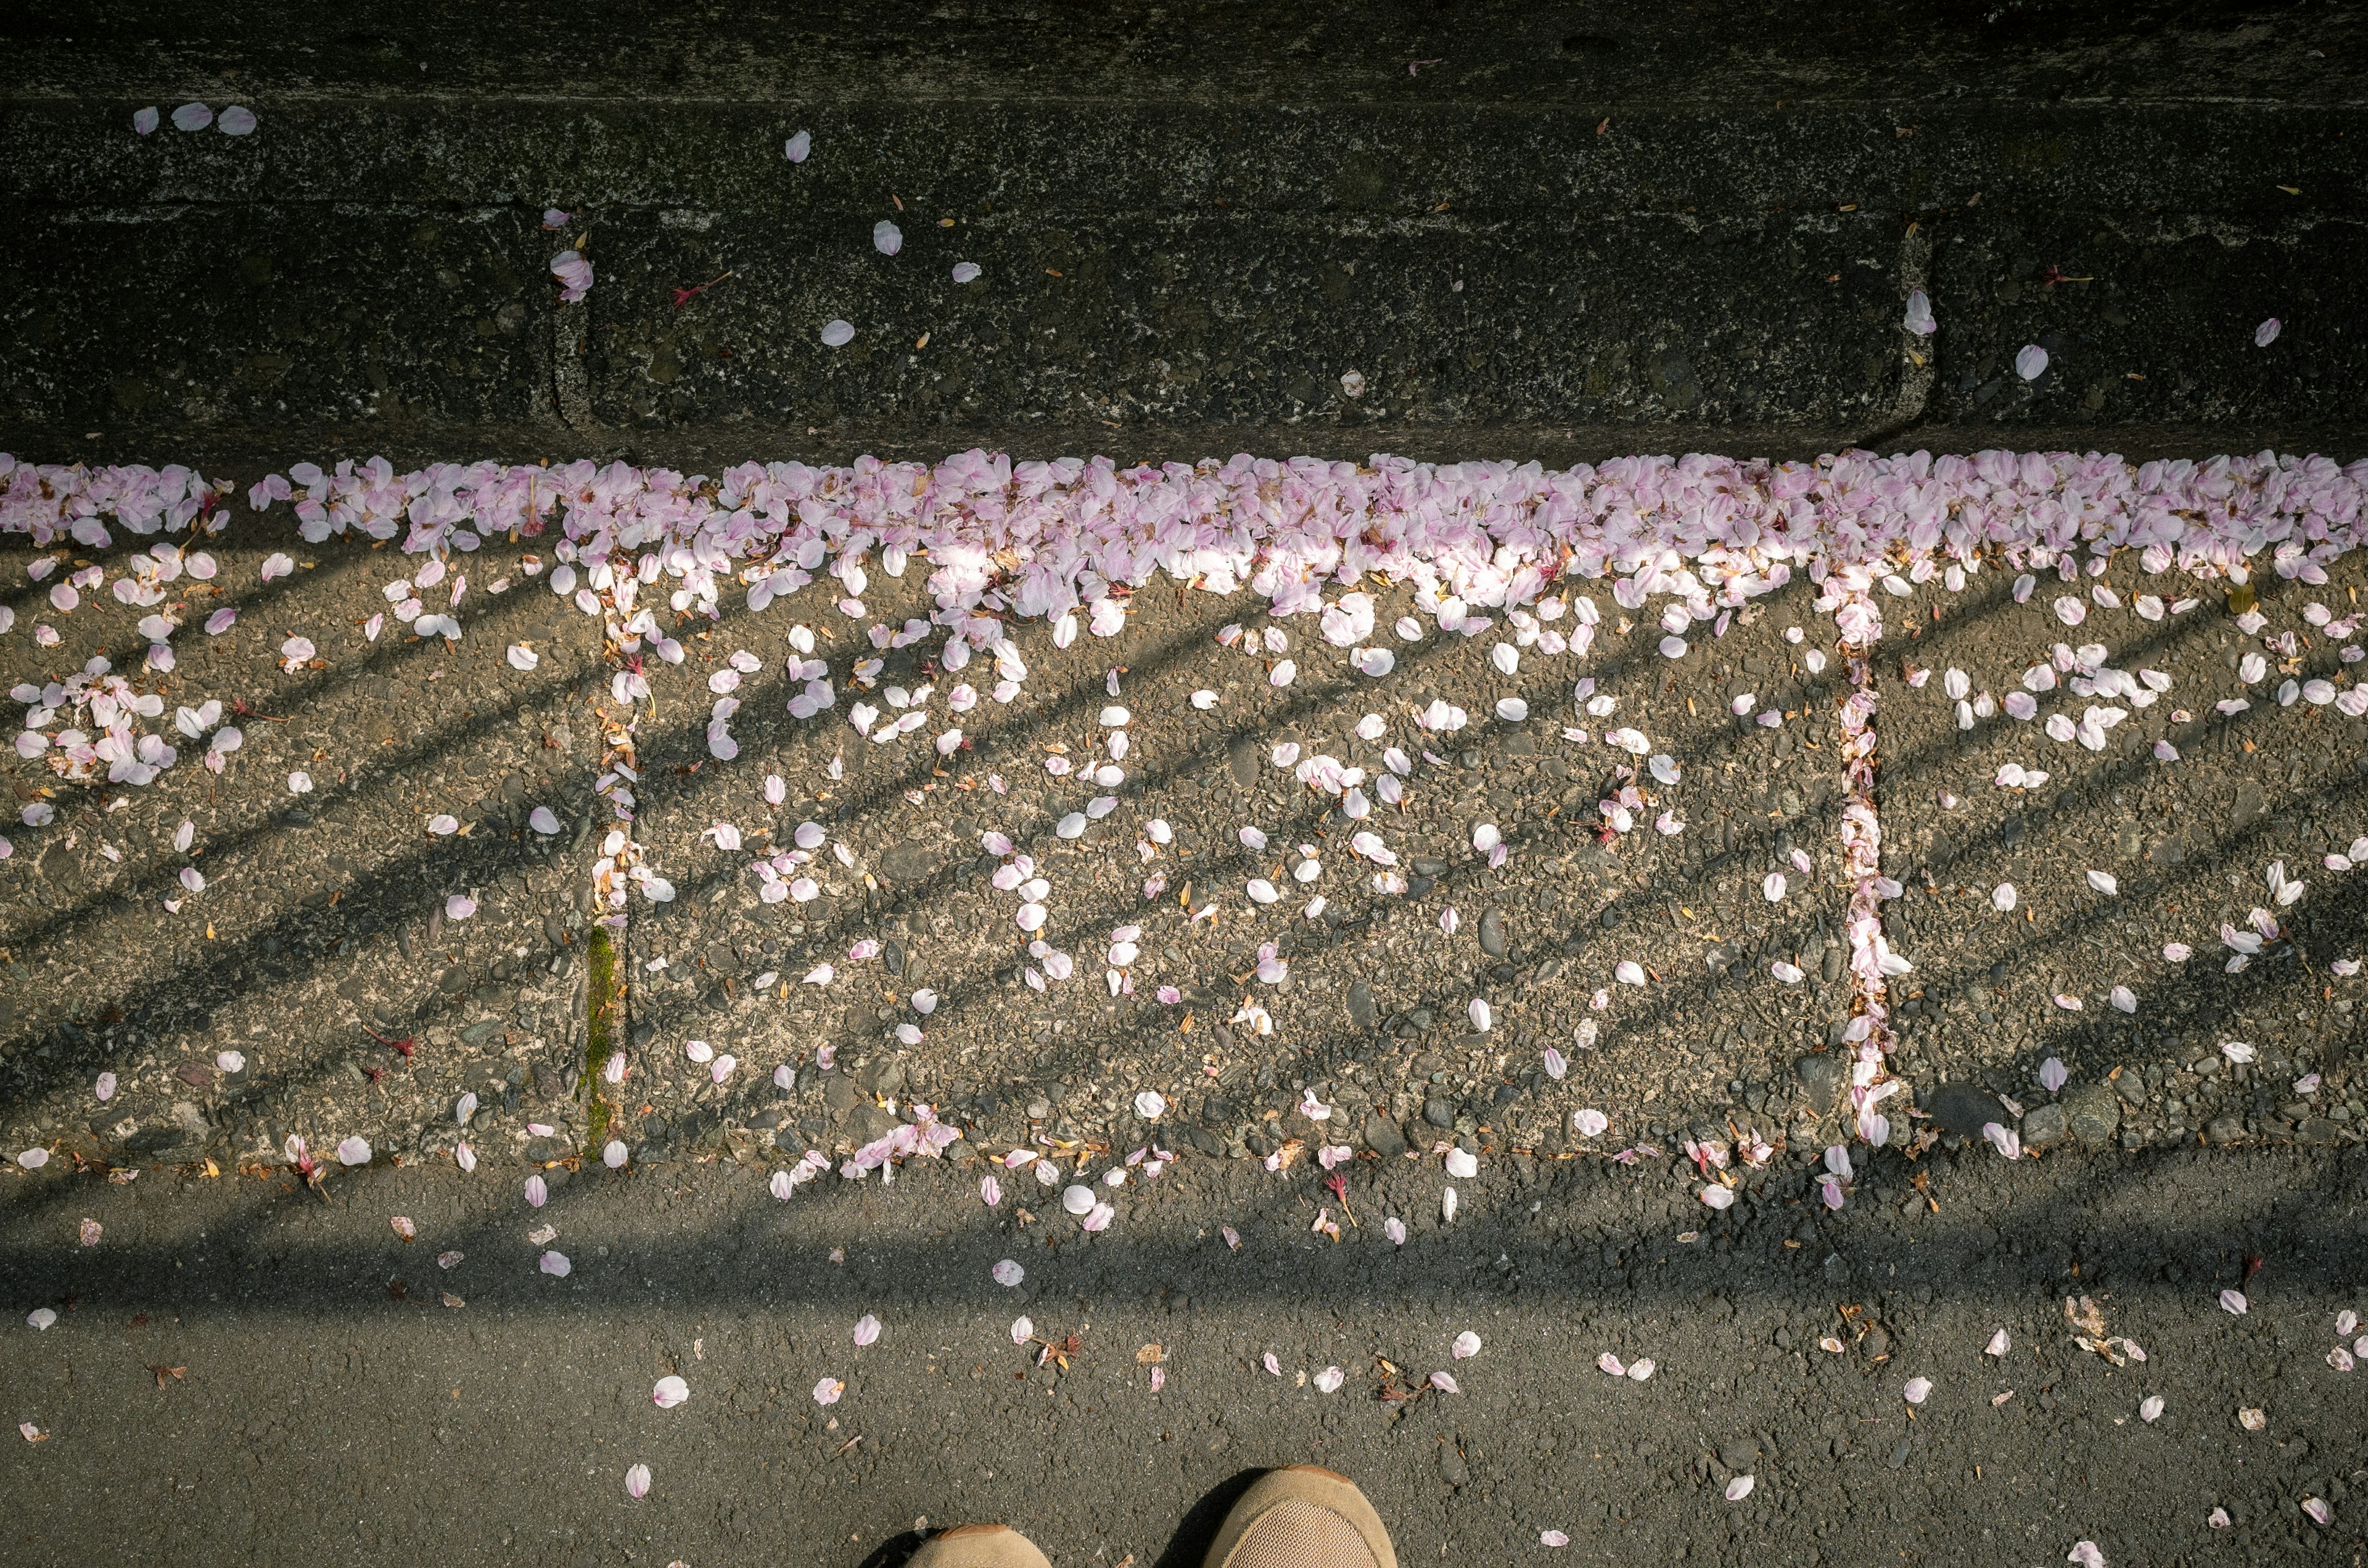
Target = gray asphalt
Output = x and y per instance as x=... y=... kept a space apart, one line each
x=243 y=1370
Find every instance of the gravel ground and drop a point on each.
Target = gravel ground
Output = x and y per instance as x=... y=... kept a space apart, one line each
x=2186 y=846
x=323 y=916
x=1374 y=1016
x=229 y=1344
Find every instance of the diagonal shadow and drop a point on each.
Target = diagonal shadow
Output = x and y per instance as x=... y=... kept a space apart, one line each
x=2187 y=996
x=1308 y=700
x=55 y=1053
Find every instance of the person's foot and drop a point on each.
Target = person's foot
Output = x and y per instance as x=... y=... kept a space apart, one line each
x=1304 y=1517
x=978 y=1546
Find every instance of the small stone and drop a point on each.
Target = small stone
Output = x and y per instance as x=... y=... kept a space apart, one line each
x=1821 y=1080
x=1438 y=1112
x=2094 y=1114
x=2226 y=1130
x=2251 y=804
x=2043 y=1127
x=1242 y=760
x=1452 y=1468
x=1361 y=1004
x=2317 y=1130
x=1492 y=933
x=1962 y=1110
x=1383 y=1137
x=907 y=862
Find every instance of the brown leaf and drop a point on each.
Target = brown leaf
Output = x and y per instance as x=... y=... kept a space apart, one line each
x=398 y=1289
x=179 y=1374
x=453 y=1300
x=1150 y=1356
x=196 y=1074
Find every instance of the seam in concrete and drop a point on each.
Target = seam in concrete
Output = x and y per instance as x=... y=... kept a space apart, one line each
x=570 y=386
x=1920 y=357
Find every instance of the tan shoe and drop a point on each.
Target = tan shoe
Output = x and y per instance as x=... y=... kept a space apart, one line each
x=978 y=1546
x=1304 y=1517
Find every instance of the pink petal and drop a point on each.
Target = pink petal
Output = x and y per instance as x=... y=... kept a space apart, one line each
x=867 y=1330
x=670 y=1392
x=637 y=1482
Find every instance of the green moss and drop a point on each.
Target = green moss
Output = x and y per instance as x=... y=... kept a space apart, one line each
x=600 y=1032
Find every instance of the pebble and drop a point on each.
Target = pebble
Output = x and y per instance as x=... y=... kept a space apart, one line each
x=1492 y=933
x=2043 y=1127
x=1962 y=1110
x=1821 y=1080
x=1242 y=760
x=1361 y=1004
x=2093 y=1113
